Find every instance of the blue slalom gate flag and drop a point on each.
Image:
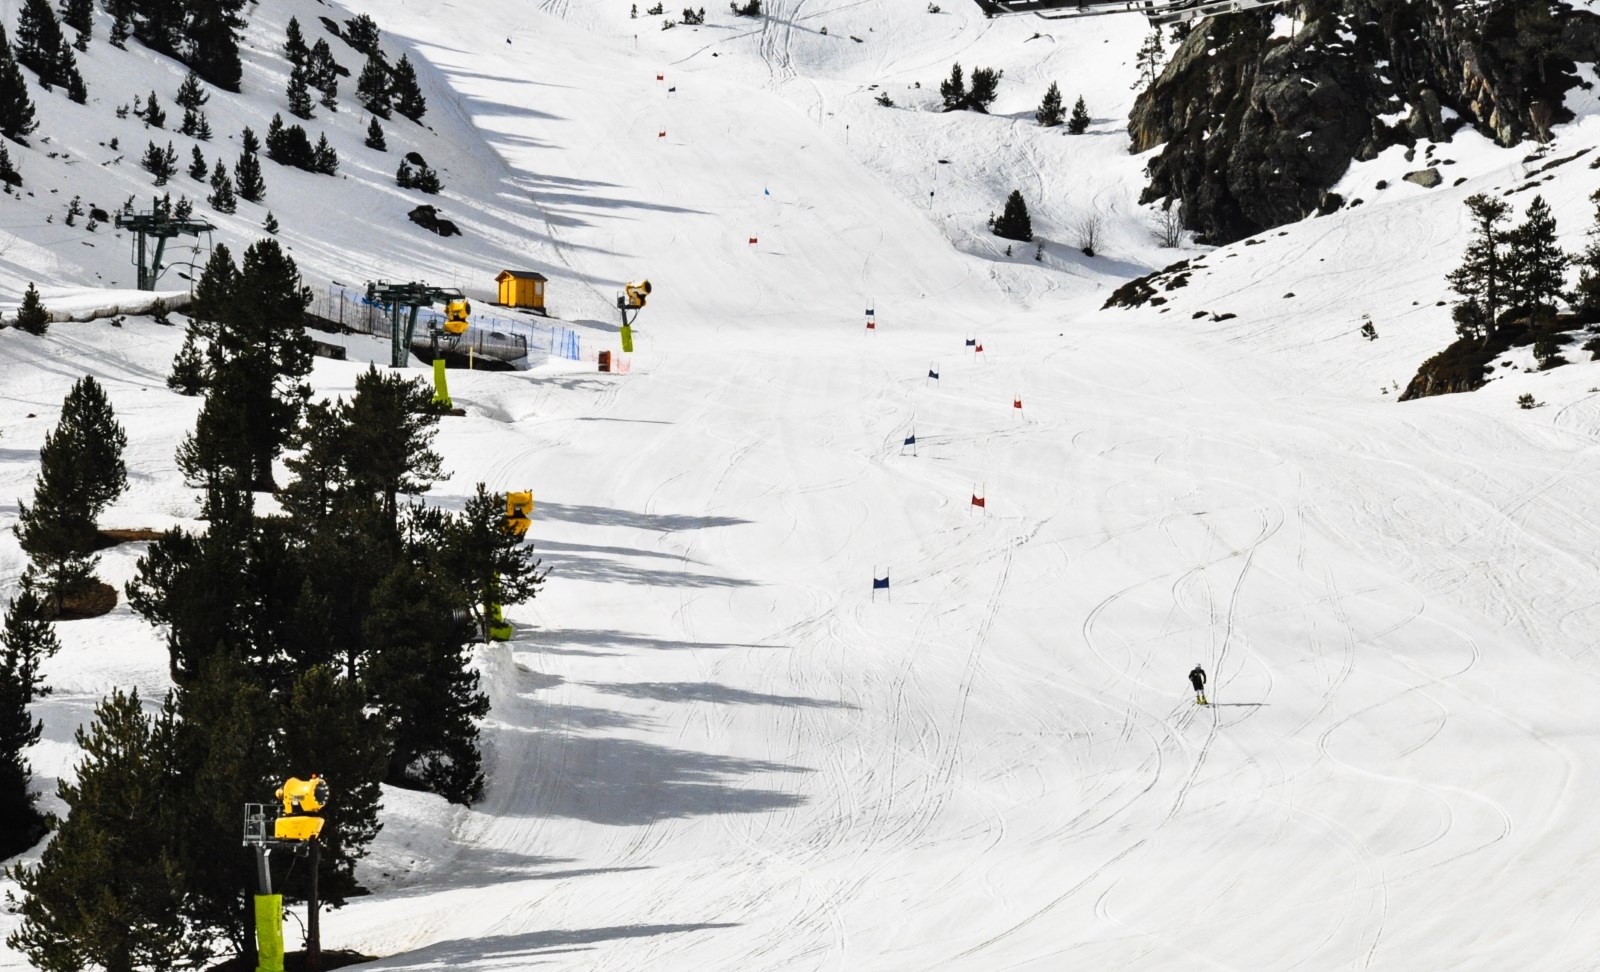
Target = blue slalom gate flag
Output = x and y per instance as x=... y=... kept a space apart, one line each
x=971 y=342
x=766 y=192
x=869 y=312
x=880 y=583
x=911 y=439
x=933 y=374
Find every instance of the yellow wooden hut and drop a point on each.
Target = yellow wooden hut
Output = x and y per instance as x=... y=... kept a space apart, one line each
x=522 y=288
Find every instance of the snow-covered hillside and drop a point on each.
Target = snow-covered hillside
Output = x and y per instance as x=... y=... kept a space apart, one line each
x=712 y=744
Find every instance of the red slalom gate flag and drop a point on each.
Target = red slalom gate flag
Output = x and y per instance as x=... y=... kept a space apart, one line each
x=978 y=501
x=978 y=349
x=752 y=241
x=872 y=325
x=661 y=77
x=1016 y=403
x=662 y=133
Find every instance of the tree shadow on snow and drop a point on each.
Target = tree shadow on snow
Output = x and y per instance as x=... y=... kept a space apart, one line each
x=609 y=516
x=507 y=951
x=609 y=571
x=711 y=692
x=556 y=640
x=628 y=782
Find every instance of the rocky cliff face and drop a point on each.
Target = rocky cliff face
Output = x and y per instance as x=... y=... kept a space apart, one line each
x=1257 y=127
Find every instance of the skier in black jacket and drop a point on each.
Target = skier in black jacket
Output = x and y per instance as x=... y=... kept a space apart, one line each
x=1197 y=678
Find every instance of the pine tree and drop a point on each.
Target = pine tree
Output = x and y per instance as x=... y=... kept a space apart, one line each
x=224 y=749
x=324 y=158
x=1150 y=59
x=321 y=69
x=121 y=26
x=1013 y=223
x=202 y=128
x=391 y=423
x=1079 y=122
x=407 y=93
x=372 y=88
x=189 y=374
x=322 y=73
x=159 y=24
x=159 y=162
x=985 y=87
x=1050 y=112
x=1586 y=296
x=1536 y=268
x=277 y=146
x=416 y=670
x=9 y=176
x=197 y=163
x=191 y=122
x=427 y=180
x=191 y=94
x=270 y=224
x=326 y=729
x=375 y=136
x=405 y=176
x=31 y=315
x=954 y=90
x=362 y=34
x=247 y=172
x=16 y=105
x=154 y=115
x=92 y=442
x=39 y=40
x=195 y=586
x=27 y=640
x=294 y=44
x=69 y=77
x=213 y=292
x=213 y=42
x=79 y=15
x=108 y=890
x=486 y=561
x=299 y=99
x=222 y=198
x=262 y=353
x=1481 y=278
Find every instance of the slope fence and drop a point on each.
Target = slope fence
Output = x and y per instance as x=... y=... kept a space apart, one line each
x=520 y=343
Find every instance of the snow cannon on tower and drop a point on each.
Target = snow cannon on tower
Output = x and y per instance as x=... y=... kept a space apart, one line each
x=633 y=298
x=456 y=311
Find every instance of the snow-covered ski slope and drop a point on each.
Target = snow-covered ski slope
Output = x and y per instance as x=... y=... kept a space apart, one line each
x=711 y=747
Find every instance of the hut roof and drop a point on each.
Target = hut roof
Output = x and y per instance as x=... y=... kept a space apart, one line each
x=521 y=275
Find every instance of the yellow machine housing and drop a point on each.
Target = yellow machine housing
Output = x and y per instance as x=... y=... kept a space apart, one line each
x=300 y=798
x=636 y=294
x=455 y=315
x=297 y=828
x=519 y=507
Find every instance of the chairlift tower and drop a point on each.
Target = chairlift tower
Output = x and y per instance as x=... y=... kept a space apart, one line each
x=159 y=225
x=411 y=297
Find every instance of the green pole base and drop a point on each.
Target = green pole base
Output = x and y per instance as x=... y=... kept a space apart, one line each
x=441 y=389
x=269 y=933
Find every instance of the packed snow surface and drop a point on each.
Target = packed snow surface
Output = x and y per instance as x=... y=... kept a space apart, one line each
x=713 y=745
